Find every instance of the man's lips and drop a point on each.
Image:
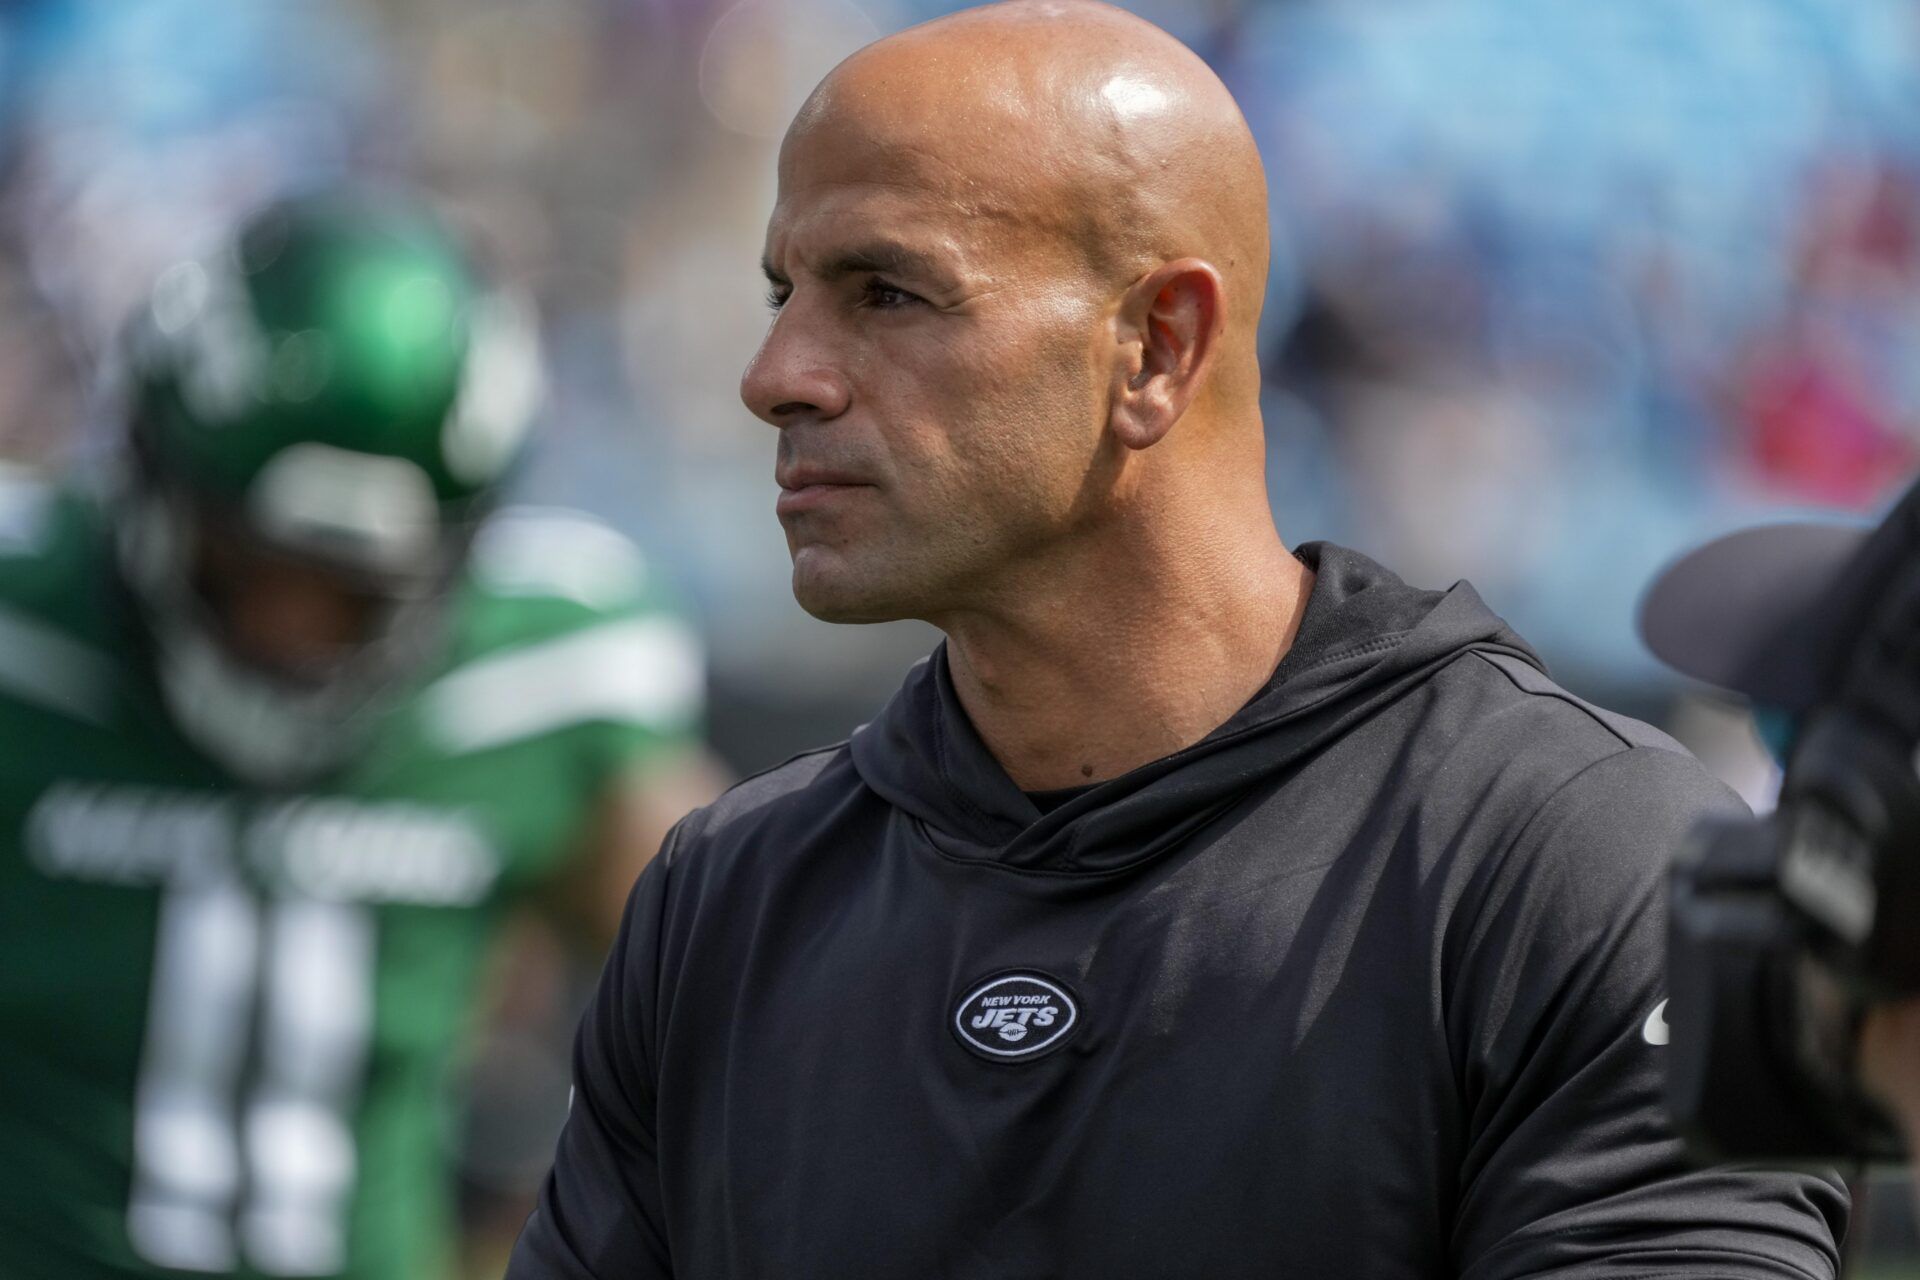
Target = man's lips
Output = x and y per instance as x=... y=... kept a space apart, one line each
x=808 y=490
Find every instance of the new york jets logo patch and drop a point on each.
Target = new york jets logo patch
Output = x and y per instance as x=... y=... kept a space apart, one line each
x=1015 y=1015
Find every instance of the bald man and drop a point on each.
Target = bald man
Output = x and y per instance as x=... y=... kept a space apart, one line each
x=1198 y=909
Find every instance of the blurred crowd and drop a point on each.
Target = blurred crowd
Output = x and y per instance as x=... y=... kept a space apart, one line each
x=1558 y=290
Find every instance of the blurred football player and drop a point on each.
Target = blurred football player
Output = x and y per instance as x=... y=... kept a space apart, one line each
x=289 y=715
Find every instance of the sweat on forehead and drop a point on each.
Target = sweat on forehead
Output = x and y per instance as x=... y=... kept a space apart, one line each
x=1077 y=119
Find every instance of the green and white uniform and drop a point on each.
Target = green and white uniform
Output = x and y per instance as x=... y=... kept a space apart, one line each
x=228 y=1017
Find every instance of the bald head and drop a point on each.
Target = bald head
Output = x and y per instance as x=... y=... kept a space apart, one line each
x=1076 y=121
x=1017 y=257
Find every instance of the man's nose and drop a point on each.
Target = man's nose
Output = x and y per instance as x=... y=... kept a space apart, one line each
x=791 y=377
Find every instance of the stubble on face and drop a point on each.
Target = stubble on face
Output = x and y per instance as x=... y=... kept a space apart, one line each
x=1048 y=155
x=973 y=410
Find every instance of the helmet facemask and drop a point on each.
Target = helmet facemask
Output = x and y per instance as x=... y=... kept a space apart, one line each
x=279 y=636
x=318 y=418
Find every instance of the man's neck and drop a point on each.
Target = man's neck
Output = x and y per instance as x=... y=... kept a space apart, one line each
x=1099 y=672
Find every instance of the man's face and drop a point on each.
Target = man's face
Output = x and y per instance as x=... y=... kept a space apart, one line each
x=292 y=617
x=932 y=368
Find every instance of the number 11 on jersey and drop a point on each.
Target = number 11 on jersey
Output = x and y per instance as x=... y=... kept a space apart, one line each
x=256 y=1042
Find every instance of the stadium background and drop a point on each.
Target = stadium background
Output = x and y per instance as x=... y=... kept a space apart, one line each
x=1558 y=290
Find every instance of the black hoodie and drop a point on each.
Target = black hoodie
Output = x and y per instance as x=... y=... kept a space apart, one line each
x=1365 y=984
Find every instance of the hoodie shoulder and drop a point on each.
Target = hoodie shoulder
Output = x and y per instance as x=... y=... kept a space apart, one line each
x=1519 y=748
x=1557 y=791
x=801 y=784
x=1506 y=722
x=1529 y=679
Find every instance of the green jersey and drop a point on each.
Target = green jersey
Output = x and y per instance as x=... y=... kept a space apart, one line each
x=227 y=1017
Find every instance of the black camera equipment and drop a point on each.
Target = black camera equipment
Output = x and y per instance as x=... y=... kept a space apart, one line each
x=1784 y=929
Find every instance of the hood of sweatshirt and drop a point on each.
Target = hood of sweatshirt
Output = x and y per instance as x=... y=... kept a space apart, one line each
x=1366 y=639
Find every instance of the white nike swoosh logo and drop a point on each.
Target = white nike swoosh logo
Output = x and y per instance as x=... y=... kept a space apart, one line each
x=1655 y=1030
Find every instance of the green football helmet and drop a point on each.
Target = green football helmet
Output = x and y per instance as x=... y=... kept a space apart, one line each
x=332 y=393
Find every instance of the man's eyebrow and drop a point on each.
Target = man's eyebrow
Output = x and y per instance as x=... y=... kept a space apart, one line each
x=885 y=256
x=879 y=255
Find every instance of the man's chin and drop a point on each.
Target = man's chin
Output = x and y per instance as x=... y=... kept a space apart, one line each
x=834 y=591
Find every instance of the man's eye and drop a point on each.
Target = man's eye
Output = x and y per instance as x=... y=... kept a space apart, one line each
x=776 y=298
x=880 y=295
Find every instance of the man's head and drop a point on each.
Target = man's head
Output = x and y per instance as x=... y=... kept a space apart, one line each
x=318 y=414
x=1017 y=257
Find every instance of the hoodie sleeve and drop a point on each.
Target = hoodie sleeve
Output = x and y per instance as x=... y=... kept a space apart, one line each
x=1555 y=1018
x=599 y=1216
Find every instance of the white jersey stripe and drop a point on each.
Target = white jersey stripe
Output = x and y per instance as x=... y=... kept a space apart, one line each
x=42 y=666
x=648 y=671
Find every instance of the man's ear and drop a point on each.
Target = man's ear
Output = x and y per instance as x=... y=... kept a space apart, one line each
x=1168 y=326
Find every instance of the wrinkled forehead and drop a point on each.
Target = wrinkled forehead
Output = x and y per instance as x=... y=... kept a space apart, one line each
x=818 y=224
x=943 y=184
